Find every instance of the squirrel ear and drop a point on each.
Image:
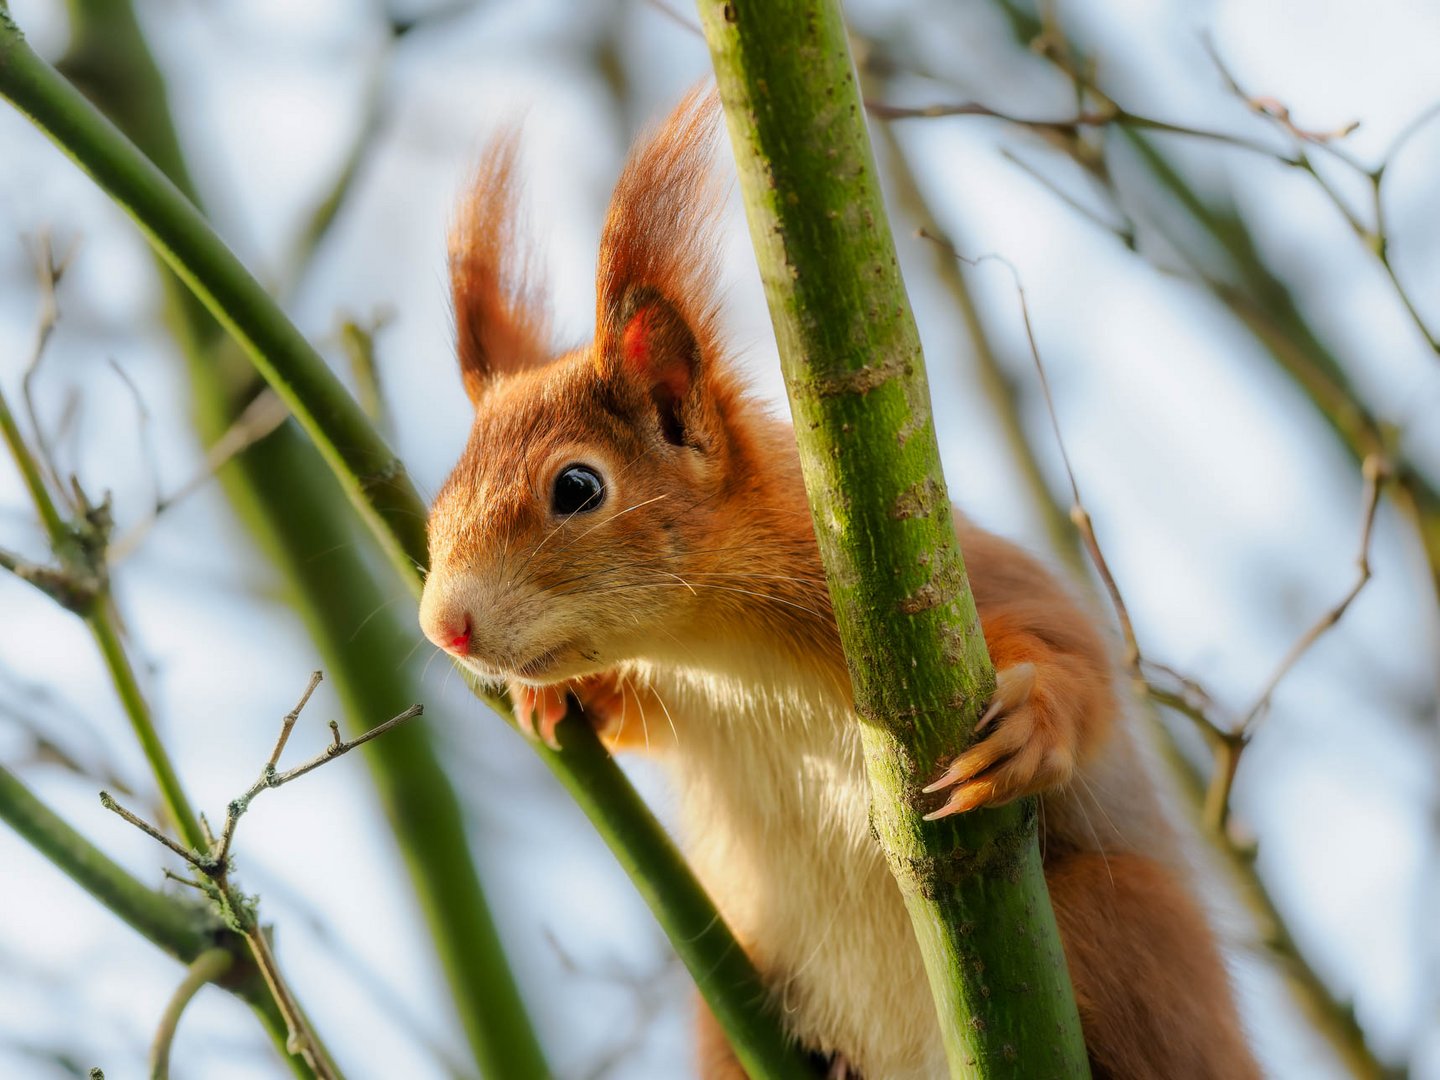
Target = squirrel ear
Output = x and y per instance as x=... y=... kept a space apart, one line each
x=657 y=314
x=500 y=323
x=656 y=349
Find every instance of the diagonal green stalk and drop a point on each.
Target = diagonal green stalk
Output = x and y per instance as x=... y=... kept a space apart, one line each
x=856 y=381
x=282 y=490
x=182 y=930
x=374 y=480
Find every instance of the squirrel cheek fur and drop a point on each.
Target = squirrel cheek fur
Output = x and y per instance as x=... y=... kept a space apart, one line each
x=685 y=607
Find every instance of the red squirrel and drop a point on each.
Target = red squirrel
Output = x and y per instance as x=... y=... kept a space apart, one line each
x=626 y=525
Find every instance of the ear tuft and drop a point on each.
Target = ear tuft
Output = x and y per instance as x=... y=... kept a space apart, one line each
x=500 y=321
x=657 y=251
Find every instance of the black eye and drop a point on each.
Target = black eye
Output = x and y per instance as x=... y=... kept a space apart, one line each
x=578 y=489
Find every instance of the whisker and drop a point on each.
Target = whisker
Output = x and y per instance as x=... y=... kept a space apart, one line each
x=702 y=585
x=668 y=718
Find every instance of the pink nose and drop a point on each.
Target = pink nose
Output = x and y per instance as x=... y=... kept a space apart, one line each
x=452 y=636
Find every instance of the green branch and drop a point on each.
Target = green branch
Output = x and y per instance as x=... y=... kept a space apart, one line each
x=856 y=381
x=355 y=455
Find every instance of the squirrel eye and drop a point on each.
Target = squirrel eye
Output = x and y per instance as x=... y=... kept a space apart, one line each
x=578 y=488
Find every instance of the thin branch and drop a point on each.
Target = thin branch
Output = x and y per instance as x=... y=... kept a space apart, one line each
x=1078 y=514
x=79 y=543
x=1126 y=232
x=1375 y=471
x=1217 y=802
x=108 y=802
x=238 y=910
x=71 y=592
x=210 y=966
x=1192 y=699
x=270 y=778
x=257 y=421
x=334 y=750
x=1108 y=114
x=48 y=273
x=1373 y=237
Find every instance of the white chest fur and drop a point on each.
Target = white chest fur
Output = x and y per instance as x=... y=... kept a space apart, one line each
x=773 y=798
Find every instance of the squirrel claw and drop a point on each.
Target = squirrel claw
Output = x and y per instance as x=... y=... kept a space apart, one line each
x=538 y=712
x=1021 y=751
x=1012 y=689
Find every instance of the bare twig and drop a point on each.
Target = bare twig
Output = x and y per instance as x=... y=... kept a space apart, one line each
x=1229 y=740
x=258 y=419
x=1078 y=514
x=335 y=749
x=1106 y=114
x=1217 y=801
x=209 y=966
x=1374 y=237
x=108 y=801
x=238 y=806
x=1125 y=232
x=1374 y=471
x=78 y=540
x=234 y=906
x=48 y=273
x=72 y=591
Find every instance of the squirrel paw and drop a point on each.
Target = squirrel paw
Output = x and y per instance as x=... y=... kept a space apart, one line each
x=1024 y=749
x=539 y=709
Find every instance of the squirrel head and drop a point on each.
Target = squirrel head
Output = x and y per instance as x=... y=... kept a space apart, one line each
x=594 y=481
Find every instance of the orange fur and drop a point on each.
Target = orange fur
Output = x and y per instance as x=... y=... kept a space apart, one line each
x=693 y=600
x=499 y=325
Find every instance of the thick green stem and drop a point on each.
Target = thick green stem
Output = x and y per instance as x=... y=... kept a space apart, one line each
x=856 y=381
x=333 y=420
x=182 y=930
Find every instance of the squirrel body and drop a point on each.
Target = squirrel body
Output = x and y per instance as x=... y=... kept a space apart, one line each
x=628 y=526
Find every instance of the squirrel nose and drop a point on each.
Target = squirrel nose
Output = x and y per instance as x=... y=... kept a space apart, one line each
x=451 y=633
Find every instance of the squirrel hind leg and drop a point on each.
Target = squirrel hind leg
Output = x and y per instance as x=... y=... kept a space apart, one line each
x=1153 y=993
